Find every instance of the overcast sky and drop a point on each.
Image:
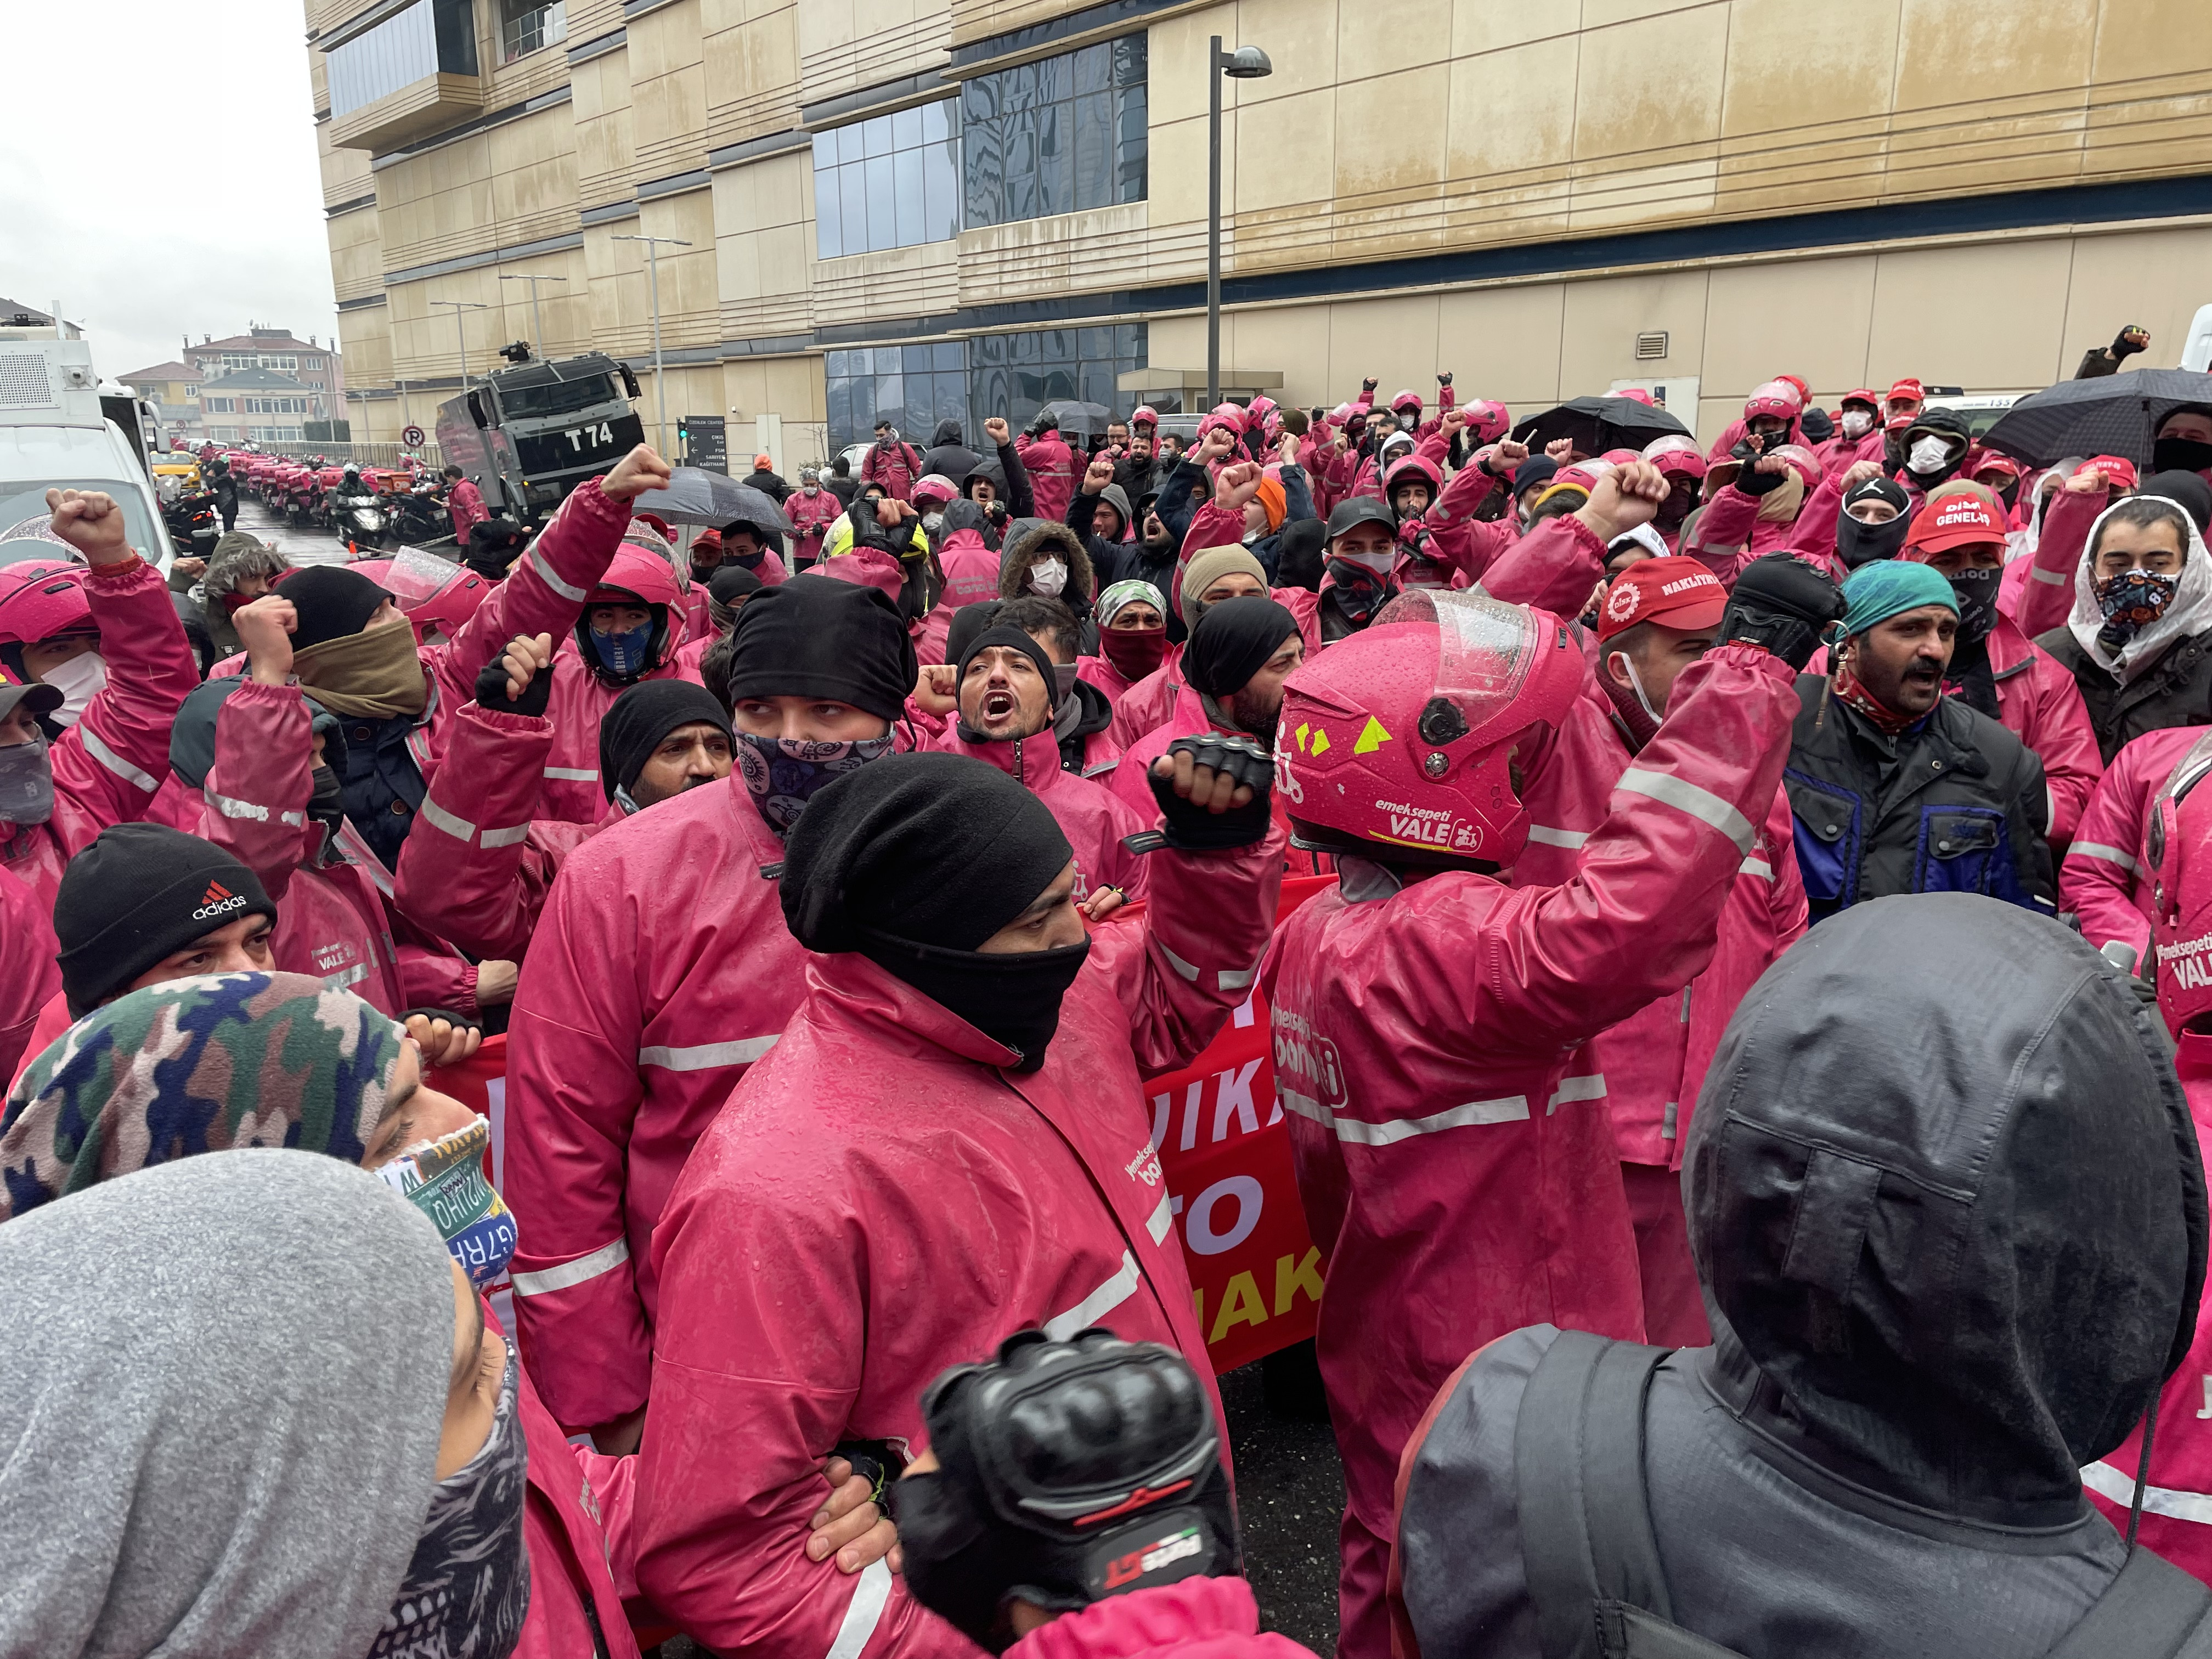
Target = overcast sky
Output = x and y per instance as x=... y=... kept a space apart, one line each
x=157 y=173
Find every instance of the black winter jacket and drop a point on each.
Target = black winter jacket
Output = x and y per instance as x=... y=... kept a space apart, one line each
x=2175 y=691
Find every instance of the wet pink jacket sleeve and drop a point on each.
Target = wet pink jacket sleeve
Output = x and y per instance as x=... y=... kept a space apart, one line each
x=1468 y=542
x=1212 y=526
x=1816 y=529
x=476 y=869
x=257 y=791
x=546 y=591
x=1724 y=531
x=2047 y=600
x=1553 y=567
x=436 y=979
x=2098 y=878
x=2063 y=740
x=28 y=974
x=109 y=766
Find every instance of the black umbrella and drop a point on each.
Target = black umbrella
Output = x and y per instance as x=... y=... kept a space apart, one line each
x=695 y=497
x=2113 y=415
x=1597 y=424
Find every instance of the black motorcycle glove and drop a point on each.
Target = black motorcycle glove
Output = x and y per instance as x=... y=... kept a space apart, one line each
x=1369 y=383
x=491 y=690
x=1783 y=603
x=1444 y=379
x=1751 y=481
x=2123 y=347
x=1191 y=828
x=867 y=531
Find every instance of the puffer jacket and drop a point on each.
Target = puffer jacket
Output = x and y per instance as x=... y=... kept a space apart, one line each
x=1954 y=803
x=108 y=766
x=1092 y=816
x=2103 y=880
x=1879 y=1154
x=479 y=866
x=1649 y=1068
x=546 y=594
x=1053 y=470
x=661 y=968
x=1195 y=1619
x=1460 y=1183
x=28 y=974
x=923 y=1202
x=2174 y=691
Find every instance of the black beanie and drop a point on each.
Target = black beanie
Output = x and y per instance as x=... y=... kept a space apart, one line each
x=731 y=581
x=1007 y=636
x=137 y=893
x=968 y=622
x=1302 y=554
x=815 y=637
x=933 y=849
x=1232 y=642
x=332 y=602
x=2186 y=490
x=637 y=721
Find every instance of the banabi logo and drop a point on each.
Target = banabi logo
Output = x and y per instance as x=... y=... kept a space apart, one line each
x=217 y=901
x=1306 y=1060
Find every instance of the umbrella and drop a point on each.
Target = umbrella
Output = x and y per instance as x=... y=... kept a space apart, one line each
x=2112 y=415
x=1088 y=419
x=1597 y=424
x=697 y=496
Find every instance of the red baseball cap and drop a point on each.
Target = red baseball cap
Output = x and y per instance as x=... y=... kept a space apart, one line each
x=1866 y=395
x=2117 y=469
x=1674 y=592
x=1906 y=389
x=1955 y=521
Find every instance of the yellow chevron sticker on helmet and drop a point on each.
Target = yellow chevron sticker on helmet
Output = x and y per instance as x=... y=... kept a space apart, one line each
x=1319 y=741
x=1372 y=738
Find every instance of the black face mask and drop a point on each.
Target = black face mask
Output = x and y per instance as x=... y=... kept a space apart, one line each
x=1013 y=998
x=326 y=804
x=1858 y=542
x=1977 y=592
x=1360 y=592
x=2180 y=455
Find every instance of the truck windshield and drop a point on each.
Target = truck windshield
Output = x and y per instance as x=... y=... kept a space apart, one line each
x=538 y=402
x=21 y=501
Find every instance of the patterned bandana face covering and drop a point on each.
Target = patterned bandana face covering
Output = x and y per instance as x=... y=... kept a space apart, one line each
x=623 y=654
x=468 y=1585
x=782 y=773
x=2131 y=602
x=444 y=1179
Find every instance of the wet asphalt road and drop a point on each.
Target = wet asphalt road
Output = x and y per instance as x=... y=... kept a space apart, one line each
x=1289 y=1483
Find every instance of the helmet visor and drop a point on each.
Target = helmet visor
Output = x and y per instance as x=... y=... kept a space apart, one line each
x=417 y=576
x=1485 y=650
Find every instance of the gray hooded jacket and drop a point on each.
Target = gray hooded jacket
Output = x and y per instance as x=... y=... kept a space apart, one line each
x=1945 y=1202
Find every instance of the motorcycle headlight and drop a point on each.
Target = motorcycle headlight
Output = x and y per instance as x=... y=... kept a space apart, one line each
x=372 y=518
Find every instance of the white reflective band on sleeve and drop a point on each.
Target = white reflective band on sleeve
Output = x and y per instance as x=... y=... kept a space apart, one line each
x=569 y=1275
x=1759 y=867
x=573 y=774
x=1236 y=979
x=1103 y=768
x=1513 y=1109
x=113 y=762
x=1550 y=837
x=1100 y=1302
x=1161 y=1219
x=1304 y=1105
x=872 y=1594
x=2056 y=578
x=1686 y=797
x=573 y=595
x=2090 y=849
x=297 y=820
x=459 y=829
x=237 y=809
x=1576 y=1088
x=505 y=837
x=347 y=977
x=1188 y=970
x=707 y=1056
x=2110 y=1482
x=1673 y=1116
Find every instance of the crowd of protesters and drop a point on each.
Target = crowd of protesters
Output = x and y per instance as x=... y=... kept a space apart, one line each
x=1745 y=1081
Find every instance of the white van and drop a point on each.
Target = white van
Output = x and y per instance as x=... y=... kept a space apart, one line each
x=53 y=434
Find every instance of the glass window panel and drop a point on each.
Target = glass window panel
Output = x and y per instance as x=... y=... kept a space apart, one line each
x=907 y=175
x=1098 y=384
x=983 y=168
x=1094 y=67
x=917 y=359
x=848 y=143
x=987 y=393
x=1025 y=348
x=825 y=150
x=952 y=399
x=863 y=361
x=989 y=349
x=890 y=400
x=979 y=99
x=864 y=405
x=1055 y=161
x=1129 y=340
x=1058 y=345
x=1130 y=151
x=1094 y=150
x=1094 y=342
x=1058 y=383
x=949 y=356
x=1129 y=61
x=876 y=138
x=1029 y=396
x=1022 y=165
x=853 y=207
x=840 y=390
x=1053 y=79
x=1021 y=87
x=936 y=122
x=837 y=364
x=906 y=129
x=827 y=230
x=883 y=203
x=940 y=192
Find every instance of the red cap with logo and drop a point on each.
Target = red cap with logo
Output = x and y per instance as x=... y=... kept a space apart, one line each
x=2119 y=472
x=1672 y=592
x=1908 y=390
x=1955 y=521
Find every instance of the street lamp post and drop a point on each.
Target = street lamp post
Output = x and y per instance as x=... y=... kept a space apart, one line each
x=653 y=244
x=461 y=330
x=1245 y=64
x=537 y=322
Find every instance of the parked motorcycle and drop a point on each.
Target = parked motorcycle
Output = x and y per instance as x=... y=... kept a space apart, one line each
x=418 y=516
x=190 y=520
x=355 y=513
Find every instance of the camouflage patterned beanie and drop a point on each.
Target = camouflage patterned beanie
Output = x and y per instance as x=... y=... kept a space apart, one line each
x=197 y=1065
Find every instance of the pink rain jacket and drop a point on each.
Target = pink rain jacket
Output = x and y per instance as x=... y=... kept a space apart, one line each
x=1196 y=1619
x=811 y=518
x=2103 y=878
x=1053 y=470
x=878 y=1201
x=28 y=973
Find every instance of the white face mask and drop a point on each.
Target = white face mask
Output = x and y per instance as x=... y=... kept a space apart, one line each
x=1930 y=455
x=813 y=488
x=932 y=522
x=1048 y=577
x=1856 y=423
x=79 y=680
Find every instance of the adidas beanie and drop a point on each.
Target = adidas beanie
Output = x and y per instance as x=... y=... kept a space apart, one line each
x=136 y=894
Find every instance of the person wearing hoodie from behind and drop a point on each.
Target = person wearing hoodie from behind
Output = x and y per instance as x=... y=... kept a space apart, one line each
x=1051 y=465
x=1930 y=1104
x=949 y=456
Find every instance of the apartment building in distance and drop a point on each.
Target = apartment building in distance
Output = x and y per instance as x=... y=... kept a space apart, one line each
x=262 y=386
x=959 y=208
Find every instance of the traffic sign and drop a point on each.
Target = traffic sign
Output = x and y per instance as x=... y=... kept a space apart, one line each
x=411 y=436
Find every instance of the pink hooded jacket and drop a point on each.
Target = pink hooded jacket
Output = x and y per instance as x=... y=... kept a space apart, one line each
x=1196 y=1619
x=2102 y=879
x=28 y=974
x=898 y=1203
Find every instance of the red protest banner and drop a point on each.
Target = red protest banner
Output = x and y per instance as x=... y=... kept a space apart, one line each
x=1256 y=1274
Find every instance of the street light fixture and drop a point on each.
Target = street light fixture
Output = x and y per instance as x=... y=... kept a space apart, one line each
x=652 y=246
x=461 y=330
x=536 y=323
x=1245 y=64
